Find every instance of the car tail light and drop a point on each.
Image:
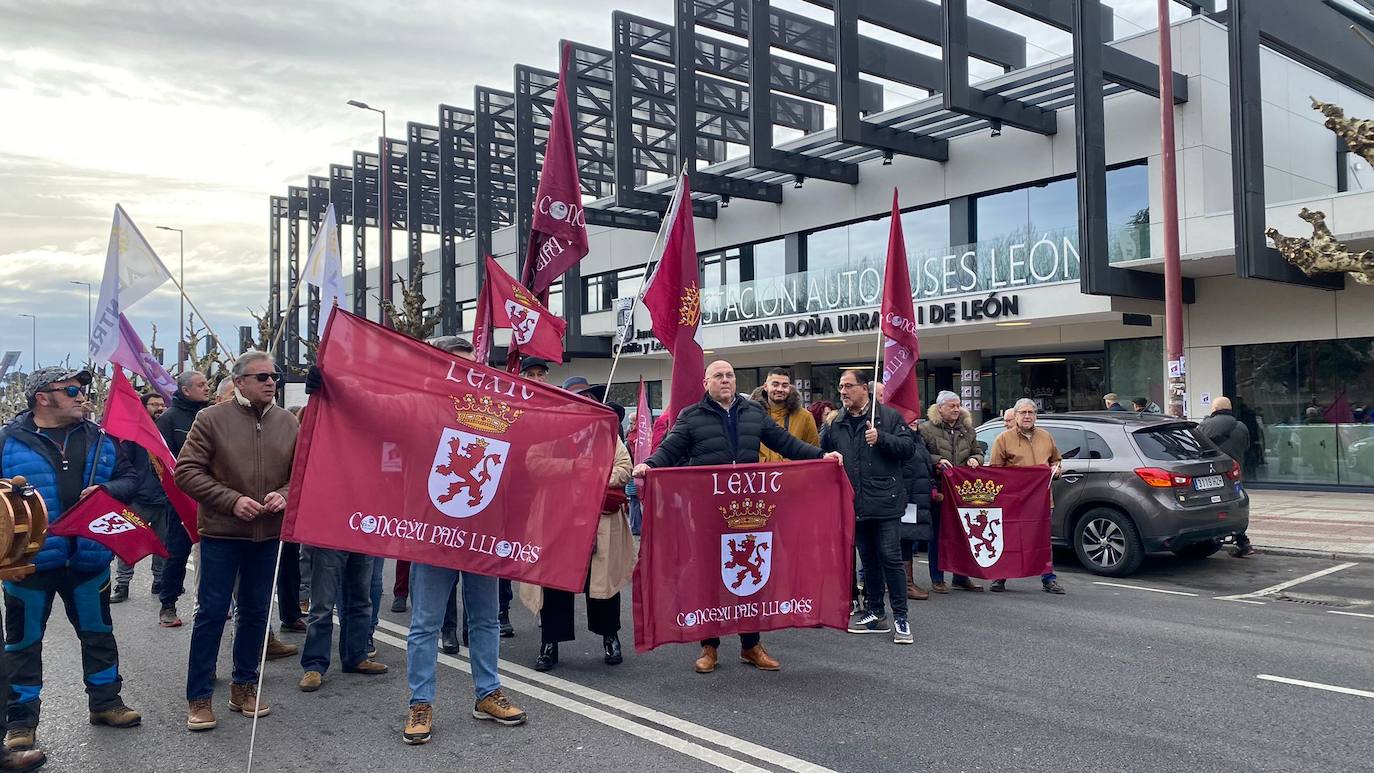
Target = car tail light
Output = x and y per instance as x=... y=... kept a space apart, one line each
x=1234 y=472
x=1160 y=478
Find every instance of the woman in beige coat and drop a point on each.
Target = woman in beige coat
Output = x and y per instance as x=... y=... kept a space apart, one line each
x=613 y=562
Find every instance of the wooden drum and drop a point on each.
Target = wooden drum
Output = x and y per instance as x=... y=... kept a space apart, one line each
x=23 y=525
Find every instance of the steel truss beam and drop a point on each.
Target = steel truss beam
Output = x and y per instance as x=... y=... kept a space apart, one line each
x=961 y=97
x=457 y=202
x=277 y=212
x=422 y=192
x=365 y=214
x=298 y=204
x=495 y=132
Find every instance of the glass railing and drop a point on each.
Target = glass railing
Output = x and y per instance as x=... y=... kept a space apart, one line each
x=1313 y=453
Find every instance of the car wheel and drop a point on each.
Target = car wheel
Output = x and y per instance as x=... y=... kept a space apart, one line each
x=1108 y=543
x=1198 y=550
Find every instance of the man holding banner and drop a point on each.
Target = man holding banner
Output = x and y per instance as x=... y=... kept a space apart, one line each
x=1026 y=445
x=725 y=427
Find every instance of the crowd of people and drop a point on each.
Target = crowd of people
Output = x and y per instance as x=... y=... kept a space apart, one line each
x=234 y=453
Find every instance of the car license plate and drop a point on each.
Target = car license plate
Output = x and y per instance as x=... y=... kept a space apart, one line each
x=1208 y=482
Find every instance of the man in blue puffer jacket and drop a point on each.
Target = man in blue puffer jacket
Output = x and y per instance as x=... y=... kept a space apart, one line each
x=63 y=456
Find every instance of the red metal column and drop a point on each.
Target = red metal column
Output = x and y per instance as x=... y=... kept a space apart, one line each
x=1176 y=365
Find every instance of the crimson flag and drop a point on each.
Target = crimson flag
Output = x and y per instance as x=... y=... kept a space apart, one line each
x=742 y=548
x=673 y=297
x=641 y=434
x=126 y=419
x=558 y=230
x=100 y=517
x=412 y=454
x=481 y=332
x=534 y=330
x=901 y=346
x=995 y=522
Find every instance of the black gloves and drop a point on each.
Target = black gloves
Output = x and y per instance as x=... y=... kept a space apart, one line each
x=314 y=379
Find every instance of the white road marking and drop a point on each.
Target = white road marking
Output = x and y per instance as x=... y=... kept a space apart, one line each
x=1349 y=614
x=1142 y=587
x=527 y=675
x=1316 y=685
x=1272 y=589
x=1237 y=600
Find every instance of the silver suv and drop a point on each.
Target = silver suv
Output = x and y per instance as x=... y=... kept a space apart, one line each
x=1138 y=483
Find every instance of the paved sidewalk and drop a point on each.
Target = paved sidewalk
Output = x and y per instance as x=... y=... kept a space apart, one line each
x=1309 y=522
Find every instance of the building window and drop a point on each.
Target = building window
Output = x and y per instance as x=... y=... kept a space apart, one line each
x=629 y=281
x=556 y=298
x=856 y=246
x=598 y=290
x=1352 y=173
x=770 y=259
x=1135 y=368
x=467 y=315
x=1057 y=383
x=1308 y=406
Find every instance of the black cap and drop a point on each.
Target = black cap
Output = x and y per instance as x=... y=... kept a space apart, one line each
x=533 y=362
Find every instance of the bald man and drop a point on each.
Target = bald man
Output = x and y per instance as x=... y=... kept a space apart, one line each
x=1233 y=438
x=725 y=427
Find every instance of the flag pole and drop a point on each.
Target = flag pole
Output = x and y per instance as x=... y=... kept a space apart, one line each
x=281 y=324
x=643 y=280
x=211 y=330
x=877 y=363
x=262 y=656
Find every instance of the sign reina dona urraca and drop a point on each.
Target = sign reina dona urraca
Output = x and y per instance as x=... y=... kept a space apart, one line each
x=968 y=310
x=988 y=267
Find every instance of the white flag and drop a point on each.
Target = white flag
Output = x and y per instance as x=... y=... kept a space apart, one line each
x=324 y=267
x=132 y=270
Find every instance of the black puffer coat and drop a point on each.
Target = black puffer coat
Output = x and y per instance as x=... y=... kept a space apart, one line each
x=175 y=422
x=917 y=473
x=705 y=433
x=875 y=471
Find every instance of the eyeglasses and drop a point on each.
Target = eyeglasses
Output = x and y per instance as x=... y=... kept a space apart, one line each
x=71 y=390
x=846 y=387
x=262 y=377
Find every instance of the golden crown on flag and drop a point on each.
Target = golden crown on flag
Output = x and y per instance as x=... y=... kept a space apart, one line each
x=134 y=519
x=747 y=514
x=979 y=491
x=484 y=413
x=523 y=296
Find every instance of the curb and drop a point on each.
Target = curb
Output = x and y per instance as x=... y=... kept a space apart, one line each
x=1309 y=553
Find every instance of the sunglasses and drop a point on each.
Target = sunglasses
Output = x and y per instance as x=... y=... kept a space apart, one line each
x=262 y=377
x=70 y=391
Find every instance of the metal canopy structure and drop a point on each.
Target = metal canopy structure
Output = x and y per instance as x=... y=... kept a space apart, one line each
x=715 y=89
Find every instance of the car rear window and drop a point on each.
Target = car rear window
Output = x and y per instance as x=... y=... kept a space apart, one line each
x=1174 y=442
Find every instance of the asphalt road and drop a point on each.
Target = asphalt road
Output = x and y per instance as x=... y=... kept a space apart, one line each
x=1160 y=675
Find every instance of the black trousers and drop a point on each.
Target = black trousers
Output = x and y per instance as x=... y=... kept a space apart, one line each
x=289 y=584
x=880 y=553
x=747 y=641
x=556 y=616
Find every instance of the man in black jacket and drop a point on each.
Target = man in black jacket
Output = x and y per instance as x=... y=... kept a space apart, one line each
x=1233 y=438
x=726 y=428
x=875 y=445
x=192 y=395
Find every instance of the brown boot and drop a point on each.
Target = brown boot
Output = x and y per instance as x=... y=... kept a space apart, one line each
x=244 y=699
x=940 y=587
x=22 y=762
x=276 y=649
x=119 y=716
x=200 y=715
x=707 y=662
x=758 y=658
x=913 y=591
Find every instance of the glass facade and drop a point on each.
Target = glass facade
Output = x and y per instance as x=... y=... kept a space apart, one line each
x=1057 y=383
x=862 y=245
x=1136 y=369
x=1309 y=407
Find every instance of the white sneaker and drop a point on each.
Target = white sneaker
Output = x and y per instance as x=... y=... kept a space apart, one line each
x=869 y=623
x=901 y=631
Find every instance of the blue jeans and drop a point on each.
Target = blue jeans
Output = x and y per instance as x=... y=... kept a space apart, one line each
x=178 y=551
x=636 y=515
x=933 y=552
x=222 y=563
x=375 y=593
x=429 y=591
x=328 y=567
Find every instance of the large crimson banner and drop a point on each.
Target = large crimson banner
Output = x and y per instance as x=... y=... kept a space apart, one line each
x=411 y=453
x=741 y=548
x=995 y=521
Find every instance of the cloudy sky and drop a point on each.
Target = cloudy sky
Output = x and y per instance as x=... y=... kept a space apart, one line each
x=191 y=114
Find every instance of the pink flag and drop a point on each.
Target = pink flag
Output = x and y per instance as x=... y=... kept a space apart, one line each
x=132 y=354
x=673 y=298
x=901 y=347
x=641 y=434
x=126 y=419
x=558 y=231
x=481 y=333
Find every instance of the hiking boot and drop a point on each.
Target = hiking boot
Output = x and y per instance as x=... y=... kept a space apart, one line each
x=998 y=586
x=507 y=630
x=939 y=587
x=398 y=604
x=869 y=622
x=968 y=585
x=311 y=681
x=119 y=716
x=1052 y=587
x=707 y=662
x=369 y=667
x=22 y=762
x=496 y=708
x=901 y=633
x=200 y=715
x=757 y=657
x=20 y=738
x=276 y=650
x=120 y=594
x=419 y=724
x=244 y=699
x=167 y=618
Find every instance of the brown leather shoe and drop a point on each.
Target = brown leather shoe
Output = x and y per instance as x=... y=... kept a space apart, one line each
x=119 y=716
x=200 y=715
x=939 y=587
x=707 y=662
x=311 y=681
x=916 y=592
x=276 y=649
x=368 y=667
x=969 y=585
x=22 y=762
x=758 y=658
x=244 y=699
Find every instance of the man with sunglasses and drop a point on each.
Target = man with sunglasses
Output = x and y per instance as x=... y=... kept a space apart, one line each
x=236 y=463
x=63 y=456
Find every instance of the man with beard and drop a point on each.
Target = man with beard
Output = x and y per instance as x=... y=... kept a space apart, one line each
x=784 y=405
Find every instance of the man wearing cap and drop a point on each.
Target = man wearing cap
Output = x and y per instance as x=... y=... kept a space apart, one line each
x=63 y=456
x=950 y=439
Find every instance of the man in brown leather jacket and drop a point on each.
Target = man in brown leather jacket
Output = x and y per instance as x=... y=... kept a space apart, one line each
x=236 y=463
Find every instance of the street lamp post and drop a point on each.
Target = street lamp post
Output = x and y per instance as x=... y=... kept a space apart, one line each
x=35 y=338
x=181 y=280
x=88 y=314
x=383 y=205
